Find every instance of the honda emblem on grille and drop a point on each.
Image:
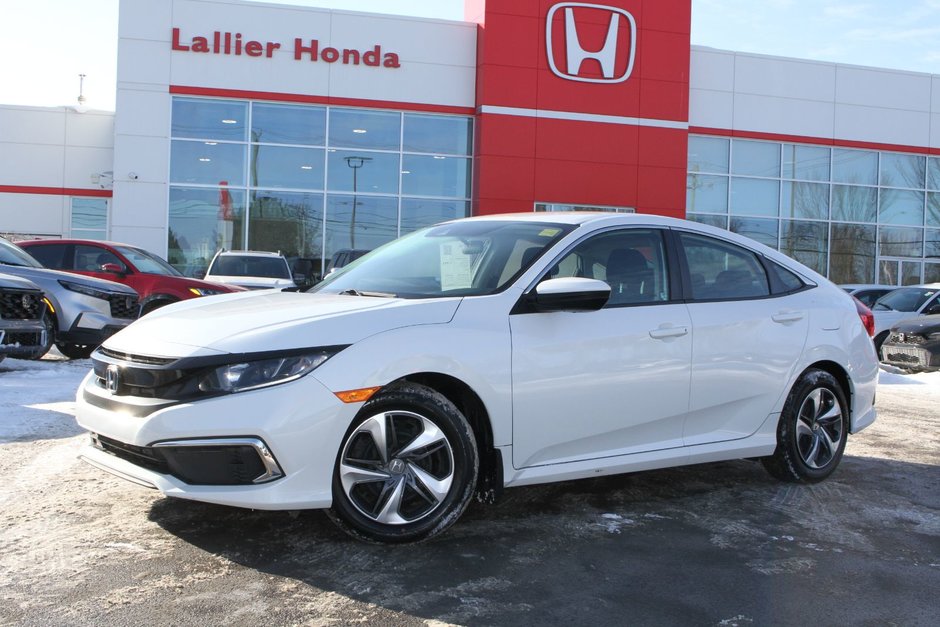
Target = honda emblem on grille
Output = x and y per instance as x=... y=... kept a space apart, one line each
x=27 y=301
x=901 y=338
x=615 y=56
x=112 y=379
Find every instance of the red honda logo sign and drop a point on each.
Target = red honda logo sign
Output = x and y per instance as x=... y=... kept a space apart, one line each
x=573 y=54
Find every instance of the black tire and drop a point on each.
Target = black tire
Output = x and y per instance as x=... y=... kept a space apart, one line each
x=879 y=340
x=407 y=494
x=812 y=431
x=49 y=323
x=75 y=351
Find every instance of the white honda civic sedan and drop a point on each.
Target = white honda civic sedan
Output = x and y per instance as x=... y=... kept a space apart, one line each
x=480 y=354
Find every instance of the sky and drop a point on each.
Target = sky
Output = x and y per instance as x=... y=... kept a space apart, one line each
x=46 y=44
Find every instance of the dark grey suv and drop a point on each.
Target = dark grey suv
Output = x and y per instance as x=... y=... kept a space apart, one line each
x=25 y=324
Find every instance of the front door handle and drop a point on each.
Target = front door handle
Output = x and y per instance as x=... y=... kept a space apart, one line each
x=663 y=333
x=785 y=317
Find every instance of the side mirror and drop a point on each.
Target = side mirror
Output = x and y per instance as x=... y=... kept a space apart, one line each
x=569 y=294
x=113 y=268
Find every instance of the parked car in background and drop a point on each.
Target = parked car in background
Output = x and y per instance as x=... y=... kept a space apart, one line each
x=344 y=257
x=254 y=270
x=868 y=293
x=86 y=310
x=903 y=303
x=26 y=329
x=156 y=281
x=914 y=344
x=486 y=353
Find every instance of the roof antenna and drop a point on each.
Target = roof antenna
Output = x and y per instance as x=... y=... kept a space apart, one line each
x=81 y=86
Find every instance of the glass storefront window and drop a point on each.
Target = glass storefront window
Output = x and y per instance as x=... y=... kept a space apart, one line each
x=755 y=158
x=933 y=208
x=209 y=119
x=895 y=241
x=720 y=222
x=933 y=173
x=932 y=273
x=901 y=206
x=289 y=222
x=417 y=213
x=441 y=134
x=708 y=154
x=852 y=253
x=859 y=167
x=804 y=200
x=285 y=166
x=203 y=220
x=754 y=197
x=207 y=163
x=763 y=231
x=932 y=244
x=89 y=218
x=706 y=194
x=363 y=172
x=805 y=163
x=435 y=176
x=355 y=128
x=851 y=203
x=902 y=170
x=807 y=242
x=288 y=124
x=361 y=222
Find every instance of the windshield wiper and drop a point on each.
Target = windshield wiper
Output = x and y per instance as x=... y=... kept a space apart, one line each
x=352 y=292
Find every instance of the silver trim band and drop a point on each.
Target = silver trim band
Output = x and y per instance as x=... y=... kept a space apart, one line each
x=583 y=117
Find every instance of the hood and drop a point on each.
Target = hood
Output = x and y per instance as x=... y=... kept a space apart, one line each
x=922 y=325
x=49 y=279
x=250 y=322
x=17 y=283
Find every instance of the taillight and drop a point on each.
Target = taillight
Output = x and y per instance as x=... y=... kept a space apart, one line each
x=868 y=318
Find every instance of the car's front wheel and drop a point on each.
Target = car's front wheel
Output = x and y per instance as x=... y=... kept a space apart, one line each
x=406 y=469
x=812 y=431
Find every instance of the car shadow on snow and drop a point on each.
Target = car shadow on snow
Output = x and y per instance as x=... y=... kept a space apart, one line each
x=595 y=547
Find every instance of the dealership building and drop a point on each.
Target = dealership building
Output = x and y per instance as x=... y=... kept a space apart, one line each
x=274 y=127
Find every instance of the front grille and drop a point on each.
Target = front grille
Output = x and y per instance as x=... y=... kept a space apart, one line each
x=21 y=304
x=124 y=306
x=31 y=338
x=906 y=356
x=144 y=456
x=137 y=359
x=906 y=338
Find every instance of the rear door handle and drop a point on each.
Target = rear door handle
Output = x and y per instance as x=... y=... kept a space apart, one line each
x=663 y=333
x=784 y=317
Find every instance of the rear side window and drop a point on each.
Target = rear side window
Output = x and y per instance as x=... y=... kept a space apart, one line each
x=49 y=255
x=783 y=280
x=719 y=270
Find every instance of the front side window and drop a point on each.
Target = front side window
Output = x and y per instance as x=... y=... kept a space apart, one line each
x=92 y=258
x=720 y=270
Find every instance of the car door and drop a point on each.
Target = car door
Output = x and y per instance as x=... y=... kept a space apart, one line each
x=746 y=341
x=610 y=382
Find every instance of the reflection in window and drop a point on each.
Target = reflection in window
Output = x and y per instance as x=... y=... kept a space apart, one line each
x=203 y=220
x=90 y=218
x=755 y=158
x=901 y=206
x=284 y=166
x=418 y=213
x=807 y=242
x=894 y=241
x=209 y=119
x=852 y=254
x=288 y=124
x=933 y=173
x=442 y=134
x=362 y=171
x=859 y=167
x=805 y=163
x=706 y=194
x=902 y=170
x=805 y=200
x=363 y=222
x=354 y=128
x=932 y=273
x=932 y=243
x=289 y=222
x=435 y=176
x=208 y=163
x=755 y=197
x=763 y=231
x=854 y=204
x=720 y=222
x=933 y=209
x=708 y=154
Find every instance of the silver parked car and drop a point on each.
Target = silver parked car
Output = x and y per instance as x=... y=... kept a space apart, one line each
x=86 y=310
x=25 y=323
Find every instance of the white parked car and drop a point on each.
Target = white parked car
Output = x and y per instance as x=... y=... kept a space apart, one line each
x=483 y=353
x=902 y=304
x=252 y=269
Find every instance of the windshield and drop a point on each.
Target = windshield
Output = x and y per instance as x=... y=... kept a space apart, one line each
x=904 y=299
x=470 y=258
x=13 y=255
x=147 y=262
x=250 y=266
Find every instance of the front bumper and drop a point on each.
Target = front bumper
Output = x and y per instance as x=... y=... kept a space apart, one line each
x=301 y=425
x=22 y=337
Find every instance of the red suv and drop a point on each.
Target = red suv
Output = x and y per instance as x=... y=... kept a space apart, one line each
x=157 y=282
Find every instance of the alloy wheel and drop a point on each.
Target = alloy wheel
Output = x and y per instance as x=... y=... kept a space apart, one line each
x=819 y=428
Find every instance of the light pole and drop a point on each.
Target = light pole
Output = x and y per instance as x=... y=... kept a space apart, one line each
x=355 y=163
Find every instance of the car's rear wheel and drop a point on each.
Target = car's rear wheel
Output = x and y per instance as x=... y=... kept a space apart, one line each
x=406 y=469
x=75 y=351
x=812 y=431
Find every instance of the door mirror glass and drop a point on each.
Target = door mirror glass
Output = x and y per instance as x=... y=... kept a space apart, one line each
x=113 y=268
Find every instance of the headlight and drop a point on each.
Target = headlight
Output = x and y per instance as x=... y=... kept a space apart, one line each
x=84 y=289
x=201 y=291
x=251 y=375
